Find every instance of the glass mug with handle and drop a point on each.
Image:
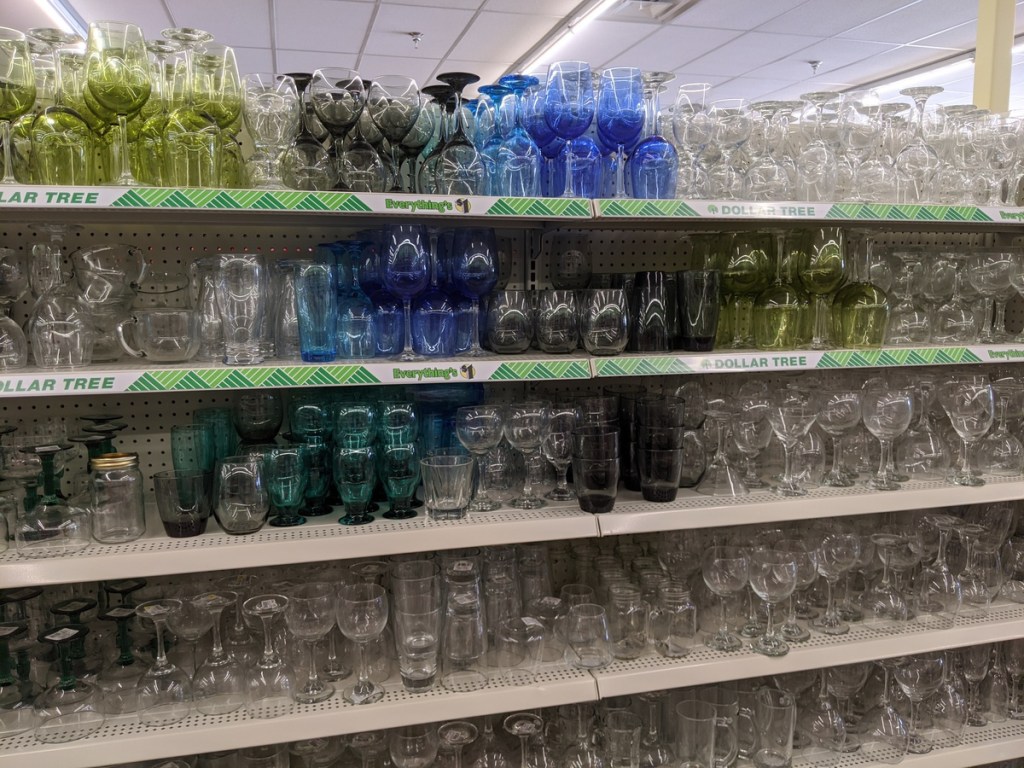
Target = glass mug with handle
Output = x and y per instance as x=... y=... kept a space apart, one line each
x=162 y=335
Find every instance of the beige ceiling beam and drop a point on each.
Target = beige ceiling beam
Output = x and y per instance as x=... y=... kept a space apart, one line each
x=993 y=57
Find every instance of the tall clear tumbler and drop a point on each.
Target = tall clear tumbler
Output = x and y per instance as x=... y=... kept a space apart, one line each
x=242 y=283
x=416 y=609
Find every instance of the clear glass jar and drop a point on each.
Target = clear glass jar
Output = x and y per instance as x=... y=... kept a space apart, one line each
x=118 y=510
x=627 y=621
x=674 y=622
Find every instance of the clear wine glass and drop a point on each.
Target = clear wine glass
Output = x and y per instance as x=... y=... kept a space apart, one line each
x=271 y=680
x=310 y=615
x=725 y=571
x=773 y=577
x=165 y=690
x=362 y=614
x=887 y=413
x=917 y=162
x=219 y=683
x=970 y=405
x=524 y=425
x=919 y=677
x=837 y=553
x=791 y=415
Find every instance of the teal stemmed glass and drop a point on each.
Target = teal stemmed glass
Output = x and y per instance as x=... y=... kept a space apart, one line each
x=519 y=157
x=355 y=424
x=355 y=476
x=399 y=470
x=490 y=130
x=287 y=471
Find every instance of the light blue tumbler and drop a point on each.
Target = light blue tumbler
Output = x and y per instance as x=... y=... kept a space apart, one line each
x=318 y=313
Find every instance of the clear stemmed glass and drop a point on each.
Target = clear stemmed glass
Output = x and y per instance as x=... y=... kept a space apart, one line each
x=725 y=571
x=19 y=89
x=393 y=102
x=569 y=109
x=1000 y=452
x=219 y=683
x=620 y=115
x=272 y=112
x=17 y=692
x=990 y=271
x=917 y=163
x=413 y=746
x=816 y=162
x=887 y=413
x=165 y=690
x=271 y=681
x=14 y=280
x=519 y=159
x=974 y=663
x=525 y=726
x=406 y=273
x=837 y=553
x=791 y=415
x=720 y=478
x=884 y=733
x=922 y=454
x=117 y=76
x=821 y=268
x=557 y=447
x=773 y=577
x=310 y=616
x=805 y=556
x=454 y=737
x=940 y=593
x=120 y=677
x=524 y=428
x=886 y=608
x=919 y=677
x=362 y=614
x=839 y=415
x=752 y=432
x=459 y=168
x=970 y=405
x=731 y=126
x=479 y=430
x=474 y=273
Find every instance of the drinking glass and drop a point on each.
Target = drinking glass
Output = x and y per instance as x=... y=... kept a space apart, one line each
x=791 y=415
x=919 y=677
x=272 y=111
x=588 y=645
x=479 y=430
x=164 y=690
x=399 y=471
x=454 y=737
x=557 y=447
x=836 y=554
x=605 y=321
x=241 y=291
x=524 y=426
x=18 y=695
x=19 y=87
x=695 y=733
x=118 y=78
x=990 y=272
x=406 y=271
x=775 y=719
x=970 y=405
x=699 y=307
x=310 y=615
x=413 y=746
x=725 y=571
x=773 y=577
x=746 y=271
x=459 y=167
x=557 y=321
x=393 y=102
x=70 y=709
x=510 y=322
x=362 y=613
x=474 y=273
x=447 y=484
x=887 y=412
x=654 y=162
x=519 y=160
x=219 y=684
x=316 y=287
x=242 y=503
x=271 y=681
x=620 y=116
x=917 y=162
x=568 y=112
x=287 y=475
x=355 y=476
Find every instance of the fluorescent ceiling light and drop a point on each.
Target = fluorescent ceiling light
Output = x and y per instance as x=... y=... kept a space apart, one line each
x=565 y=31
x=64 y=16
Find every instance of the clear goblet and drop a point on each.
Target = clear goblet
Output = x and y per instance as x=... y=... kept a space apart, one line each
x=271 y=681
x=837 y=553
x=219 y=683
x=725 y=571
x=990 y=271
x=165 y=690
x=524 y=427
x=919 y=677
x=970 y=405
x=479 y=430
x=840 y=413
x=887 y=412
x=791 y=415
x=310 y=616
x=362 y=614
x=772 y=575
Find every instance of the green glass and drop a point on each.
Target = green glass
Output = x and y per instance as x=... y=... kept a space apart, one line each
x=399 y=469
x=216 y=85
x=746 y=271
x=781 y=310
x=17 y=90
x=225 y=436
x=192 y=448
x=399 y=424
x=355 y=424
x=232 y=164
x=706 y=250
x=860 y=310
x=21 y=148
x=191 y=149
x=822 y=272
x=62 y=148
x=319 y=484
x=355 y=477
x=117 y=76
x=309 y=413
x=287 y=475
x=16 y=696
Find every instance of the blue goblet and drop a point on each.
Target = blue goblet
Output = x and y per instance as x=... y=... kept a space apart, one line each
x=654 y=163
x=474 y=273
x=433 y=318
x=620 y=116
x=519 y=157
x=489 y=131
x=406 y=273
x=569 y=110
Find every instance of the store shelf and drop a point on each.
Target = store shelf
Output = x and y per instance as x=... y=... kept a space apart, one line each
x=803 y=360
x=693 y=510
x=124 y=740
x=118 y=378
x=321 y=538
x=1004 y=621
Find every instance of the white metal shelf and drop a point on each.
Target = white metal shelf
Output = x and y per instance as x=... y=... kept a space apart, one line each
x=124 y=740
x=693 y=510
x=320 y=538
x=1005 y=621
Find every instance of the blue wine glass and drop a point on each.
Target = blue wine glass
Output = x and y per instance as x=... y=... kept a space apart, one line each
x=433 y=318
x=406 y=262
x=475 y=267
x=460 y=170
x=582 y=159
x=287 y=474
x=654 y=164
x=519 y=157
x=569 y=110
x=357 y=338
x=488 y=133
x=620 y=116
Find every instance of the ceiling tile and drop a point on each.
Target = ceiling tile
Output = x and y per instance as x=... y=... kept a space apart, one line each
x=814 y=19
x=441 y=27
x=559 y=8
x=832 y=53
x=466 y=5
x=749 y=51
x=502 y=37
x=24 y=16
x=891 y=62
x=254 y=60
x=751 y=88
x=371 y=66
x=601 y=41
x=148 y=14
x=915 y=21
x=340 y=25
x=962 y=37
x=308 y=61
x=664 y=47
x=734 y=14
x=240 y=22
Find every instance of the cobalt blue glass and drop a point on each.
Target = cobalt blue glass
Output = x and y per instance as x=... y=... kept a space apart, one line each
x=519 y=157
x=406 y=272
x=356 y=325
x=389 y=323
x=533 y=114
x=582 y=157
x=569 y=110
x=620 y=116
x=475 y=267
x=433 y=317
x=654 y=164
x=318 y=312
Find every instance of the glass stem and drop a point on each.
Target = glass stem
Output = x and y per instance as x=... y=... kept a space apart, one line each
x=965 y=458
x=408 y=327
x=820 y=335
x=885 y=448
x=67 y=672
x=831 y=615
x=364 y=672
x=161 y=652
x=769 y=629
x=724 y=629
x=791 y=618
x=6 y=677
x=787 y=467
x=122 y=141
x=563 y=477
x=527 y=480
x=620 y=174
x=5 y=137
x=313 y=683
x=124 y=643
x=481 y=487
x=568 y=191
x=474 y=330
x=217 y=651
x=523 y=751
x=837 y=456
x=268 y=640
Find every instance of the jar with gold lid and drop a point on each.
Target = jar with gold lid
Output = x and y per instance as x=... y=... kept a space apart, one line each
x=118 y=511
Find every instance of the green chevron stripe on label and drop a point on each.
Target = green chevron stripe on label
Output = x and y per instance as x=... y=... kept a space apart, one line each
x=199 y=198
x=223 y=200
x=511 y=372
x=279 y=377
x=573 y=369
x=501 y=208
x=267 y=202
x=979 y=215
x=609 y=368
x=842 y=211
x=177 y=199
x=361 y=375
x=235 y=380
x=312 y=202
x=541 y=207
x=343 y=201
x=834 y=360
x=129 y=199
x=145 y=383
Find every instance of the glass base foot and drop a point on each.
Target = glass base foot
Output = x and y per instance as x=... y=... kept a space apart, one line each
x=561 y=495
x=831 y=628
x=367 y=693
x=356 y=519
x=483 y=505
x=286 y=521
x=971 y=481
x=464 y=681
x=403 y=514
x=882 y=484
x=322 y=693
x=410 y=357
x=475 y=352
x=527 y=502
x=723 y=642
x=769 y=646
x=794 y=633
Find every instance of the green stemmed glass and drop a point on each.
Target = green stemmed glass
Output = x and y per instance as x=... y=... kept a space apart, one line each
x=287 y=474
x=355 y=477
x=117 y=77
x=781 y=309
x=119 y=679
x=16 y=696
x=399 y=469
x=746 y=271
x=18 y=89
x=822 y=271
x=69 y=709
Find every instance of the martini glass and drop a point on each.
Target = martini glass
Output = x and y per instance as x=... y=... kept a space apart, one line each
x=460 y=170
x=70 y=709
x=918 y=162
x=164 y=690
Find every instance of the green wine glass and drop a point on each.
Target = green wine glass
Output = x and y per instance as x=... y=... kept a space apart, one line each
x=399 y=470
x=287 y=470
x=355 y=477
x=781 y=309
x=822 y=272
x=117 y=76
x=17 y=90
x=860 y=310
x=746 y=271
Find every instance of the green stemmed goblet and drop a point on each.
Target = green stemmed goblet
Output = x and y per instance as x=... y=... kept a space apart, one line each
x=355 y=477
x=287 y=469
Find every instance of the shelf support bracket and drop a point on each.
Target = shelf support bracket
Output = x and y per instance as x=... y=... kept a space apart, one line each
x=993 y=57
